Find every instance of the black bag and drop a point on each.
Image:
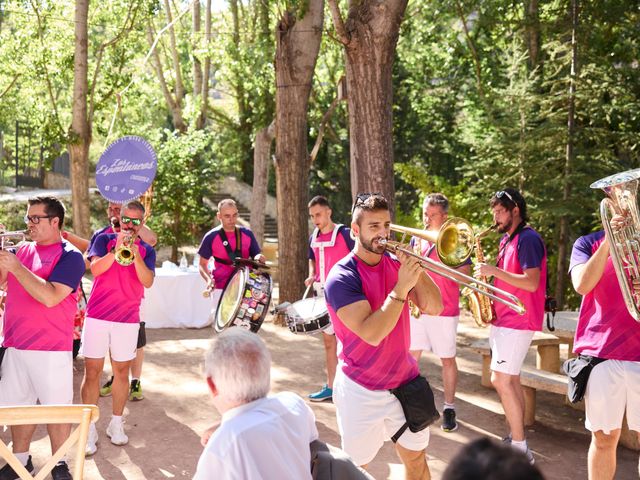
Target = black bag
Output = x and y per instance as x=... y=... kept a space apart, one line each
x=418 y=405
x=578 y=370
x=550 y=308
x=2 y=350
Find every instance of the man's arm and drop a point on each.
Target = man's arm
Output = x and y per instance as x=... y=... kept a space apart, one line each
x=143 y=272
x=204 y=270
x=587 y=275
x=373 y=327
x=77 y=241
x=528 y=280
x=47 y=293
x=426 y=296
x=148 y=236
x=312 y=273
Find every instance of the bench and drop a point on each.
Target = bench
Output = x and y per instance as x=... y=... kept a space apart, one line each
x=547 y=356
x=534 y=380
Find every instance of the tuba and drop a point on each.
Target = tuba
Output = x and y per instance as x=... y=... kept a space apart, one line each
x=621 y=190
x=454 y=243
x=481 y=306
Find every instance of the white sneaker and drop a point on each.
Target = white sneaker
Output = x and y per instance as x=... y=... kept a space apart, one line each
x=115 y=431
x=92 y=439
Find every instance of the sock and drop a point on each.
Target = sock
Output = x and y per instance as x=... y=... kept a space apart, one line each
x=522 y=446
x=116 y=419
x=449 y=405
x=23 y=458
x=134 y=379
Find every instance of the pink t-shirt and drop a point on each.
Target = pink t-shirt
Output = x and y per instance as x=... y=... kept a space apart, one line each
x=212 y=246
x=525 y=250
x=28 y=324
x=117 y=293
x=389 y=364
x=327 y=248
x=605 y=328
x=449 y=289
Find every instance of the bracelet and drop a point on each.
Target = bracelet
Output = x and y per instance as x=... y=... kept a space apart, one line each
x=392 y=296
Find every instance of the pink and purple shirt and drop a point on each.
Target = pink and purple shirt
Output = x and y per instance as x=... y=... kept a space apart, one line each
x=449 y=289
x=327 y=248
x=605 y=328
x=30 y=325
x=117 y=293
x=212 y=246
x=516 y=254
x=97 y=233
x=389 y=364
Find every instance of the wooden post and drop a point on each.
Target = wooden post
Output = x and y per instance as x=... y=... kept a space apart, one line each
x=485 y=381
x=529 y=405
x=548 y=358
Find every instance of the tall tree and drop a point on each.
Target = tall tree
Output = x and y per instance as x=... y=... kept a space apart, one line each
x=369 y=35
x=297 y=47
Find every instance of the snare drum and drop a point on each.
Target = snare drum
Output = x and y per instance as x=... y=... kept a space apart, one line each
x=245 y=300
x=309 y=315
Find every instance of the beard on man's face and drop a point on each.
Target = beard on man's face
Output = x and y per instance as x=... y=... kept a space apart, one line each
x=504 y=227
x=372 y=245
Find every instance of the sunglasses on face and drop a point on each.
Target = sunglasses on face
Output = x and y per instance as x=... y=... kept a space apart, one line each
x=35 y=219
x=135 y=221
x=503 y=193
x=361 y=198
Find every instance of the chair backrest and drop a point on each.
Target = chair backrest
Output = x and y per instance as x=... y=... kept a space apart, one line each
x=82 y=415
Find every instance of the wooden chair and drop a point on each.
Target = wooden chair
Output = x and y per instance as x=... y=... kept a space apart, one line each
x=82 y=415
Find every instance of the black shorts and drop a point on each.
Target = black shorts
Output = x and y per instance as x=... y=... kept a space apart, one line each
x=142 y=336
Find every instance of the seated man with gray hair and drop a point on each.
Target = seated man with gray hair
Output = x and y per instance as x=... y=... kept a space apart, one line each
x=259 y=437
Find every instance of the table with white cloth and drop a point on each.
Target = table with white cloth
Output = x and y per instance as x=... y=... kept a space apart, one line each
x=175 y=300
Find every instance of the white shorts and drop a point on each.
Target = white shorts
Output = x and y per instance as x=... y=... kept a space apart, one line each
x=101 y=336
x=509 y=348
x=613 y=386
x=367 y=418
x=318 y=288
x=29 y=376
x=434 y=333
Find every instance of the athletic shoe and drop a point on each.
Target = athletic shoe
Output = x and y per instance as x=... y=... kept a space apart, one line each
x=61 y=472
x=507 y=439
x=135 y=391
x=325 y=393
x=530 y=456
x=115 y=431
x=449 y=423
x=92 y=439
x=8 y=473
x=105 y=391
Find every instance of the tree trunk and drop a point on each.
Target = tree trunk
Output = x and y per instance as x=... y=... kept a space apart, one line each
x=370 y=35
x=532 y=33
x=80 y=133
x=261 y=158
x=563 y=244
x=297 y=47
x=197 y=67
x=204 y=104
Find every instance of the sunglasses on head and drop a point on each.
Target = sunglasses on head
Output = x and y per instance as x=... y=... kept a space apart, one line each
x=135 y=221
x=503 y=193
x=361 y=198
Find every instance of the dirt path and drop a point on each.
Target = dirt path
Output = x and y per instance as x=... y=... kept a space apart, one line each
x=164 y=428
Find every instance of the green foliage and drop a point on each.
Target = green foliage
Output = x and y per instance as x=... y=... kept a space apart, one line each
x=187 y=170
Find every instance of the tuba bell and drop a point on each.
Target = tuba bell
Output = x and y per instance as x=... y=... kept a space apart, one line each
x=622 y=198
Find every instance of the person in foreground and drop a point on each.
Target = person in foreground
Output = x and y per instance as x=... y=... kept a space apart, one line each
x=367 y=294
x=260 y=437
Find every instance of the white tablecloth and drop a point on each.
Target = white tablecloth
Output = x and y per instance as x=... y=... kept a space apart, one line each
x=175 y=300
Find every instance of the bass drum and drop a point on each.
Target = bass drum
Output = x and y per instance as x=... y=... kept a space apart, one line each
x=245 y=300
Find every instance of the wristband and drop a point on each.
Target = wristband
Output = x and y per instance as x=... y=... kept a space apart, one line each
x=393 y=296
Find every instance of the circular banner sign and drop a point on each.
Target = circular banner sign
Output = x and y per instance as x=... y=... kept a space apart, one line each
x=126 y=169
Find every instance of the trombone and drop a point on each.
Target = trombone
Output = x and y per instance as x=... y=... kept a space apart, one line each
x=11 y=239
x=454 y=242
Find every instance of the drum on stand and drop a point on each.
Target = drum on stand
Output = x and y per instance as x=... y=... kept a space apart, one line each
x=309 y=315
x=245 y=299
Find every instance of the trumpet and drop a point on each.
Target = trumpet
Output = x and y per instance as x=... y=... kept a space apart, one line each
x=124 y=254
x=11 y=239
x=454 y=242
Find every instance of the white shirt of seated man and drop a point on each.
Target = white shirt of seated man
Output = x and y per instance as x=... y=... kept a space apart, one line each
x=260 y=437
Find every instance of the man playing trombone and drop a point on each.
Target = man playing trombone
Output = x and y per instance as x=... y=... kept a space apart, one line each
x=438 y=333
x=367 y=293
x=521 y=269
x=123 y=266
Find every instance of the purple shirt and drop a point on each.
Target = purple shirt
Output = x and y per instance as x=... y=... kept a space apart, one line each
x=605 y=328
x=326 y=250
x=525 y=250
x=389 y=364
x=97 y=233
x=28 y=324
x=211 y=246
x=117 y=293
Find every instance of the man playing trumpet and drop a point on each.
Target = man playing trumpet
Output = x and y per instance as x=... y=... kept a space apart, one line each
x=113 y=314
